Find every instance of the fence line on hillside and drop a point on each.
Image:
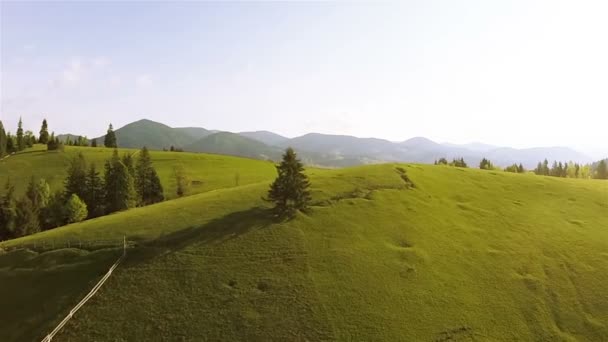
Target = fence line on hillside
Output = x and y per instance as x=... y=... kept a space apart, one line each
x=50 y=245
x=91 y=293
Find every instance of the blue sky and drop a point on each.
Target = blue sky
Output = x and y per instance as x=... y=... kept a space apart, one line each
x=521 y=73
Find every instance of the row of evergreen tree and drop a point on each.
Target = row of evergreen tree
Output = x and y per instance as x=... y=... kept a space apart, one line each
x=21 y=140
x=598 y=170
x=455 y=162
x=14 y=143
x=126 y=183
x=570 y=169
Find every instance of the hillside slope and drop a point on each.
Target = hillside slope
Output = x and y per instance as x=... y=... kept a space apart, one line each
x=206 y=172
x=234 y=144
x=268 y=138
x=154 y=135
x=465 y=255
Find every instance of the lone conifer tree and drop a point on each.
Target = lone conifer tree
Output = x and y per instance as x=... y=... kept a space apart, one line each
x=44 y=133
x=289 y=191
x=76 y=180
x=20 y=138
x=95 y=196
x=147 y=183
x=2 y=140
x=110 y=139
x=119 y=189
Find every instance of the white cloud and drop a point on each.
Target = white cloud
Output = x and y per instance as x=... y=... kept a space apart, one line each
x=29 y=47
x=73 y=72
x=99 y=62
x=143 y=81
x=115 y=80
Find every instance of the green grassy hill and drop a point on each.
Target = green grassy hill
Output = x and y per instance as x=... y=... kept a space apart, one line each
x=154 y=135
x=234 y=144
x=207 y=172
x=464 y=255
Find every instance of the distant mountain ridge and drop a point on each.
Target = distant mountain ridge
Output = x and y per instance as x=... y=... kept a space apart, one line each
x=330 y=150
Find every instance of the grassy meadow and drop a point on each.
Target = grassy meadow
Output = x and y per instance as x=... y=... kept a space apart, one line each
x=462 y=255
x=205 y=171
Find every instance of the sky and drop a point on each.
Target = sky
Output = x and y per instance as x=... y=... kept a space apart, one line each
x=508 y=73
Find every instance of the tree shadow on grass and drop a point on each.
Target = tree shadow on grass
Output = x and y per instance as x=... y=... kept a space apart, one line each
x=215 y=231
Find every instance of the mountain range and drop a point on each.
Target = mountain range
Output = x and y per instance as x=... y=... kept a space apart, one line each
x=330 y=150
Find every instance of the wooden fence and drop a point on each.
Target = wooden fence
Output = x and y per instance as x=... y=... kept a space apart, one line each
x=49 y=337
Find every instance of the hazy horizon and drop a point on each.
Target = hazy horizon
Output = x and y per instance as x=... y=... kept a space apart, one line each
x=525 y=74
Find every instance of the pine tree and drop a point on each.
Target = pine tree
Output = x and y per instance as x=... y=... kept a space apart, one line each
x=95 y=196
x=44 y=133
x=38 y=192
x=75 y=209
x=127 y=159
x=110 y=138
x=94 y=143
x=147 y=182
x=485 y=164
x=26 y=219
x=119 y=188
x=520 y=168
x=289 y=191
x=2 y=141
x=7 y=212
x=546 y=168
x=76 y=180
x=539 y=169
x=602 y=170
x=20 y=137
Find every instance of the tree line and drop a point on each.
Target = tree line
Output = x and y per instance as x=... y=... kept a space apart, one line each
x=455 y=162
x=127 y=182
x=10 y=143
x=598 y=170
x=14 y=143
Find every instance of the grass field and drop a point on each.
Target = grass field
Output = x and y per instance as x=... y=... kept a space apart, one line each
x=464 y=255
x=206 y=171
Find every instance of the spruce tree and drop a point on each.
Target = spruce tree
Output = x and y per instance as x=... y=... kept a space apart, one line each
x=26 y=218
x=2 y=141
x=44 y=133
x=95 y=195
x=76 y=180
x=39 y=193
x=520 y=168
x=546 y=171
x=110 y=138
x=147 y=183
x=127 y=159
x=20 y=137
x=11 y=145
x=539 y=169
x=119 y=188
x=7 y=212
x=94 y=143
x=602 y=170
x=289 y=191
